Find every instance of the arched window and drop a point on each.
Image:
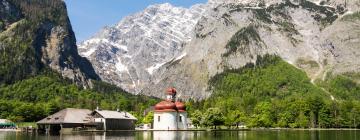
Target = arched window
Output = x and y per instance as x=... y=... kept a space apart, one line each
x=158 y=118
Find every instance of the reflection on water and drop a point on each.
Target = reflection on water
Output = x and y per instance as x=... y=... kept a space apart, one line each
x=191 y=135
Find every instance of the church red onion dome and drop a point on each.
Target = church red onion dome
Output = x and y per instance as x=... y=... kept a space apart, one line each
x=165 y=106
x=180 y=106
x=171 y=91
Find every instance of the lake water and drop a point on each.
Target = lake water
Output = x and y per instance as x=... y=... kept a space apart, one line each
x=193 y=135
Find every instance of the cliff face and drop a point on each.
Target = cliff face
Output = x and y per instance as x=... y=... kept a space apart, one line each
x=129 y=53
x=317 y=36
x=320 y=38
x=36 y=36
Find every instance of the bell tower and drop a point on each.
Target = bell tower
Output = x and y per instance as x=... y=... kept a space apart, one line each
x=171 y=94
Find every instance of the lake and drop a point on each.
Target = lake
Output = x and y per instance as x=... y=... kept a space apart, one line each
x=193 y=135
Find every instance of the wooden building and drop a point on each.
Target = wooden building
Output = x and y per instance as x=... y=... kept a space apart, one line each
x=67 y=120
x=113 y=120
x=72 y=119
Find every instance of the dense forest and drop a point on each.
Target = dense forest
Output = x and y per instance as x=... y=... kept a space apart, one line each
x=273 y=93
x=35 y=98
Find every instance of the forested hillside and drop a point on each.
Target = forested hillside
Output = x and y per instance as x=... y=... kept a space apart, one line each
x=37 y=35
x=35 y=98
x=41 y=71
x=273 y=93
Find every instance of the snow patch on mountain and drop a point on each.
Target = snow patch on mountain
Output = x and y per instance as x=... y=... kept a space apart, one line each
x=130 y=53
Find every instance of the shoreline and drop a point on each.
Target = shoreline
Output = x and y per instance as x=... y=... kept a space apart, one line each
x=248 y=129
x=305 y=129
x=10 y=130
x=210 y=130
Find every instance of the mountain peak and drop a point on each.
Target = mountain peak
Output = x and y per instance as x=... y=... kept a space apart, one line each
x=130 y=53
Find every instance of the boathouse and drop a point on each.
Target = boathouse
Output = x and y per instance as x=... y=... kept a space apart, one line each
x=113 y=120
x=6 y=124
x=170 y=114
x=67 y=120
x=72 y=119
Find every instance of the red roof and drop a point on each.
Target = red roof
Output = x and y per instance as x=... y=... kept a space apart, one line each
x=171 y=91
x=180 y=106
x=168 y=106
x=165 y=105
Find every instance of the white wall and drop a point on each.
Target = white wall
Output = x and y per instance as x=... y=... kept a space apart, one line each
x=183 y=123
x=170 y=121
x=167 y=121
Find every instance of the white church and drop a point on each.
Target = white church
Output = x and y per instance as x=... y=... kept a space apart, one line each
x=170 y=114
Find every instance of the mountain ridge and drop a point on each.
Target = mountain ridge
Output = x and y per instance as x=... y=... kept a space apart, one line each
x=231 y=34
x=129 y=53
x=38 y=36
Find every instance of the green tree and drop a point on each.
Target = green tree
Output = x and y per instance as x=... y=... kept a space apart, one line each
x=263 y=115
x=196 y=117
x=355 y=115
x=325 y=118
x=213 y=117
x=149 y=118
x=285 y=118
x=235 y=117
x=301 y=121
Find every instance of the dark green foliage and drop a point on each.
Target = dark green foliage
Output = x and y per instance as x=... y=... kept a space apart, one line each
x=21 y=45
x=290 y=30
x=235 y=7
x=8 y=14
x=343 y=87
x=227 y=19
x=43 y=10
x=283 y=5
x=34 y=98
x=288 y=27
x=17 y=58
x=273 y=93
x=330 y=13
x=19 y=55
x=242 y=39
x=30 y=91
x=262 y=15
x=324 y=15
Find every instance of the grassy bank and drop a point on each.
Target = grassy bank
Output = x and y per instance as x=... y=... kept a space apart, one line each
x=26 y=124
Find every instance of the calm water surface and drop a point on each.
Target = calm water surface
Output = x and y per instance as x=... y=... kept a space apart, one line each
x=193 y=135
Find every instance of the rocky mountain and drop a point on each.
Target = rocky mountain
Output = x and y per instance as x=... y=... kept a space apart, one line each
x=36 y=36
x=320 y=37
x=129 y=53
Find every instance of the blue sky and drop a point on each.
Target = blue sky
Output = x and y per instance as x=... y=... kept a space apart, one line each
x=89 y=16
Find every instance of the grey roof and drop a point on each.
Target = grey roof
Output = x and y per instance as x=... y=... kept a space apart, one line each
x=69 y=115
x=107 y=114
